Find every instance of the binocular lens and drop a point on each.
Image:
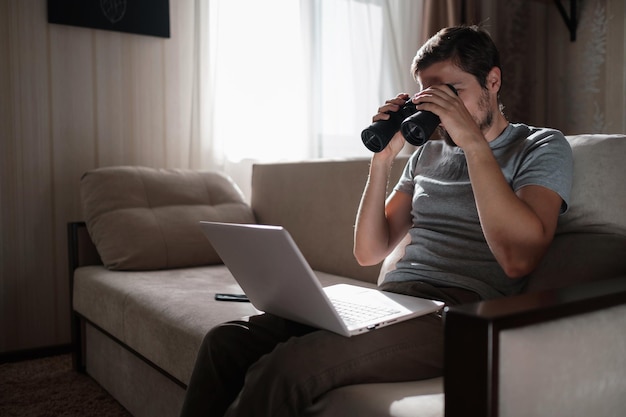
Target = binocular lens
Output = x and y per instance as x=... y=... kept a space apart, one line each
x=372 y=141
x=416 y=127
x=378 y=134
x=413 y=131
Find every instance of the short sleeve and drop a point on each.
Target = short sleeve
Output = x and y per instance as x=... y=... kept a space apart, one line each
x=547 y=162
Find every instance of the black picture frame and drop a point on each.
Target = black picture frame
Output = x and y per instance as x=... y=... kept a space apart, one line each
x=144 y=17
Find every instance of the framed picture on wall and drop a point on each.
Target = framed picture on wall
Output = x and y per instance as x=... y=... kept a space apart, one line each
x=145 y=17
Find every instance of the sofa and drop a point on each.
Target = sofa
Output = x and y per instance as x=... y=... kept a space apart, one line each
x=143 y=280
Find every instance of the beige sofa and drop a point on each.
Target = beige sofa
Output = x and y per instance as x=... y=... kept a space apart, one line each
x=145 y=298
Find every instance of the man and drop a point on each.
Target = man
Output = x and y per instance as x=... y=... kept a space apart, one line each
x=481 y=207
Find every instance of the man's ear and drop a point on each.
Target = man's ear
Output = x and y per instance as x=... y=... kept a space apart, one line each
x=494 y=79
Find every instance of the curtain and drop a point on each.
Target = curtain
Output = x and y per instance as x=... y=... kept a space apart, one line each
x=256 y=102
x=442 y=13
x=361 y=56
x=202 y=102
x=260 y=102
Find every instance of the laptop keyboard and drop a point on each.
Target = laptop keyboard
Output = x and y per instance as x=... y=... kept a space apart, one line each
x=353 y=313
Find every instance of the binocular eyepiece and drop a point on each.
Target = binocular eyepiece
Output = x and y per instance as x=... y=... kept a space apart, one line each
x=416 y=126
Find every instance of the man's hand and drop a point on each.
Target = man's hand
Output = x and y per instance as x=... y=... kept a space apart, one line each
x=456 y=119
x=397 y=142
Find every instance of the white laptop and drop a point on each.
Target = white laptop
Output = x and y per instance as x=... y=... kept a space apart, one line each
x=276 y=278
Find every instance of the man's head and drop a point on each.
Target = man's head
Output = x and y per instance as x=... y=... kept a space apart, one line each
x=468 y=47
x=467 y=58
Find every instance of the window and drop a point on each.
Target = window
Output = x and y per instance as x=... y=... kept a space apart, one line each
x=298 y=80
x=261 y=110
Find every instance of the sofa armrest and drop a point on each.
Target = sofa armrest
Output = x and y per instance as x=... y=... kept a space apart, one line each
x=81 y=250
x=490 y=352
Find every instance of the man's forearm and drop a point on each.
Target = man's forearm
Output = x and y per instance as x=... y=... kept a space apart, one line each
x=371 y=234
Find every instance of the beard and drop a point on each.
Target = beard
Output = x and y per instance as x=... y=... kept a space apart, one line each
x=483 y=124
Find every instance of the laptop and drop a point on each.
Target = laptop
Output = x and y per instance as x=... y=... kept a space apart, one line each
x=271 y=270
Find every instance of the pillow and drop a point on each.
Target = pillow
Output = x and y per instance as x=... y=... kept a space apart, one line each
x=144 y=219
x=579 y=257
x=598 y=196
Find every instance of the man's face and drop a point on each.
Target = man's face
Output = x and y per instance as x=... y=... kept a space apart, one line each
x=480 y=103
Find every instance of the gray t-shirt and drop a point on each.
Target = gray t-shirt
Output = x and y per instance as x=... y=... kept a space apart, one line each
x=447 y=246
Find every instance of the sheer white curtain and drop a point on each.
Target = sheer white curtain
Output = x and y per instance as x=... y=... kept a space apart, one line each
x=364 y=50
x=249 y=81
x=281 y=79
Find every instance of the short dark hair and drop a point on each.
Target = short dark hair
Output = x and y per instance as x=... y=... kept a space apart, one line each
x=469 y=47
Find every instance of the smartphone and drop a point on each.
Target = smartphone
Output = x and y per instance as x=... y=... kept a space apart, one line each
x=232 y=297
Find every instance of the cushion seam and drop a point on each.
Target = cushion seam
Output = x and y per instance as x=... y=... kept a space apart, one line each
x=158 y=224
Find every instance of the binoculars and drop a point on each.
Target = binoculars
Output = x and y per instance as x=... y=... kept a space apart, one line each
x=416 y=126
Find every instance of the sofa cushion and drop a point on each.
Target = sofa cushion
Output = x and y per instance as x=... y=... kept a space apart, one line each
x=144 y=219
x=163 y=315
x=423 y=398
x=579 y=257
x=317 y=202
x=591 y=237
x=598 y=195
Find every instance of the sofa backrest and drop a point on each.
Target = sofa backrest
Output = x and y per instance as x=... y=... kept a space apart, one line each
x=317 y=202
x=590 y=241
x=598 y=201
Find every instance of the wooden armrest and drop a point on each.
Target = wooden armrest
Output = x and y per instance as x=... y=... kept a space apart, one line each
x=81 y=250
x=472 y=335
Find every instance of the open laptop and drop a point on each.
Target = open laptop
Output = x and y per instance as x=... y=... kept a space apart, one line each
x=273 y=273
